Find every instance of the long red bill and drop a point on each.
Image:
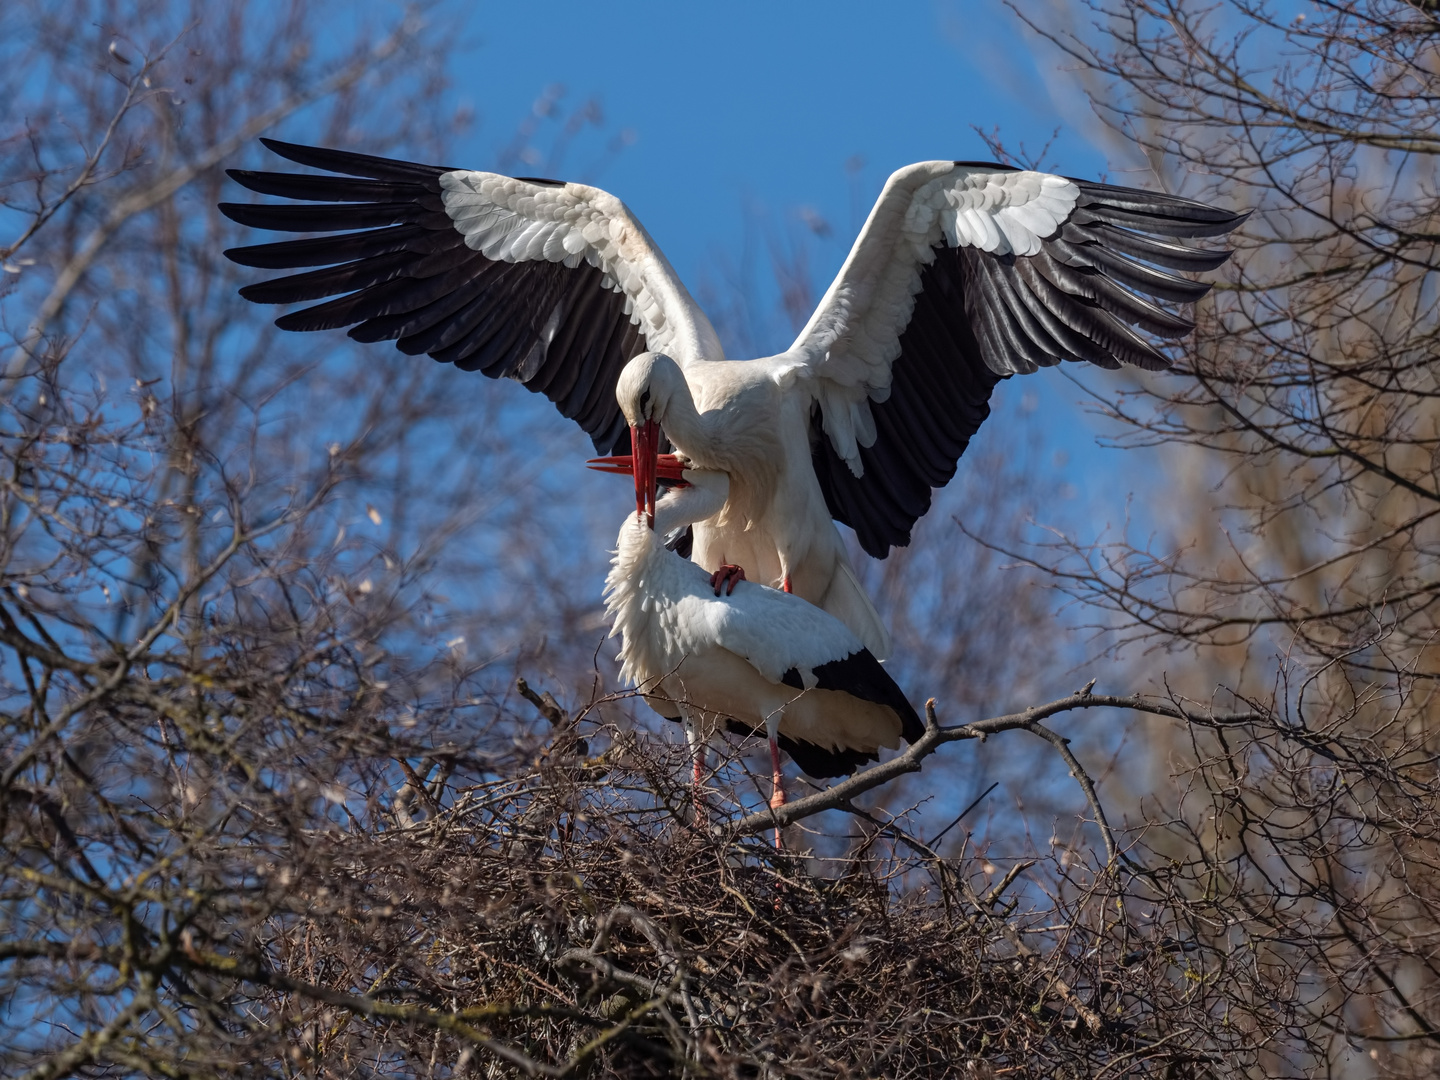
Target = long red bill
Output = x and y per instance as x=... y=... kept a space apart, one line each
x=668 y=467
x=645 y=441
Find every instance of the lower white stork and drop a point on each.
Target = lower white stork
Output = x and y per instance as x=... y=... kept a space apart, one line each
x=965 y=273
x=754 y=658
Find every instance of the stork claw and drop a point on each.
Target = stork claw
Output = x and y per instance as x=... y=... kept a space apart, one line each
x=726 y=578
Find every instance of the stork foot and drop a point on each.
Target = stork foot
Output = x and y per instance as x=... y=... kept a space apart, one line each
x=726 y=578
x=777 y=800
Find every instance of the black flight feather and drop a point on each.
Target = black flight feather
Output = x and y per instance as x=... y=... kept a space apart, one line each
x=980 y=317
x=400 y=270
x=862 y=676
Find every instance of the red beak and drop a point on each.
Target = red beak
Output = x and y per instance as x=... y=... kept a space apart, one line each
x=667 y=467
x=645 y=441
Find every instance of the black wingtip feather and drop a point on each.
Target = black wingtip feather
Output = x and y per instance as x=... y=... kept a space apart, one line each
x=400 y=271
x=329 y=250
x=980 y=317
x=340 y=217
x=1128 y=272
x=1136 y=245
x=1158 y=224
x=864 y=677
x=812 y=760
x=353 y=164
x=327 y=188
x=1155 y=204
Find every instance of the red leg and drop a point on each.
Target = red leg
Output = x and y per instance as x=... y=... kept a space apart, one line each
x=786 y=584
x=726 y=577
x=697 y=789
x=697 y=772
x=777 y=786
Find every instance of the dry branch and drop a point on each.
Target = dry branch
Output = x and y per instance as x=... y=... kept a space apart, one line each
x=842 y=794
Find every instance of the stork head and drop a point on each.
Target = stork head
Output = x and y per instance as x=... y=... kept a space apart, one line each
x=647 y=386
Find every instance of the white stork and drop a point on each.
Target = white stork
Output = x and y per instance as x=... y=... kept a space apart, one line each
x=964 y=274
x=755 y=658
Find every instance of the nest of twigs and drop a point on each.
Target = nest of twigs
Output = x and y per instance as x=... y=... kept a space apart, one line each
x=575 y=921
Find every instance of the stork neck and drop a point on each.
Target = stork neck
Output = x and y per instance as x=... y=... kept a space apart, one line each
x=686 y=428
x=682 y=506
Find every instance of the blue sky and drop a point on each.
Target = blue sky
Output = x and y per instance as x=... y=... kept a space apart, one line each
x=745 y=109
x=764 y=103
x=763 y=110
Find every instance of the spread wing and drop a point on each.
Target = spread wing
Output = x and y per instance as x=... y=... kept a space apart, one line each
x=963 y=275
x=553 y=284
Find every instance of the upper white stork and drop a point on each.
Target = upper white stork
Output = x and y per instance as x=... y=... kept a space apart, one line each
x=964 y=274
x=755 y=658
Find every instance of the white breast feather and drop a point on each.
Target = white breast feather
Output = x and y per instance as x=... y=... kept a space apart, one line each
x=665 y=610
x=511 y=220
x=853 y=338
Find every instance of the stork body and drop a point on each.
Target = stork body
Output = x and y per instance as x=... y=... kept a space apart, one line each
x=746 y=420
x=964 y=274
x=755 y=659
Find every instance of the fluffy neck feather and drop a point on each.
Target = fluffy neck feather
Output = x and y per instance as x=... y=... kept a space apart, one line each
x=737 y=436
x=643 y=574
x=681 y=506
x=640 y=572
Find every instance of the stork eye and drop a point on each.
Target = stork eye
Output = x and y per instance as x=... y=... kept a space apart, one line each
x=645 y=402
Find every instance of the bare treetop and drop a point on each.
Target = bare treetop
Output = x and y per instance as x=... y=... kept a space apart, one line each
x=273 y=803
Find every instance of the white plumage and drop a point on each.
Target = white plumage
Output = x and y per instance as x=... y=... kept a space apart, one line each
x=852 y=340
x=755 y=659
x=751 y=422
x=717 y=657
x=516 y=221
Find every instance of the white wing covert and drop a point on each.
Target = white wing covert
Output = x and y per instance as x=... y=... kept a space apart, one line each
x=515 y=220
x=553 y=284
x=964 y=274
